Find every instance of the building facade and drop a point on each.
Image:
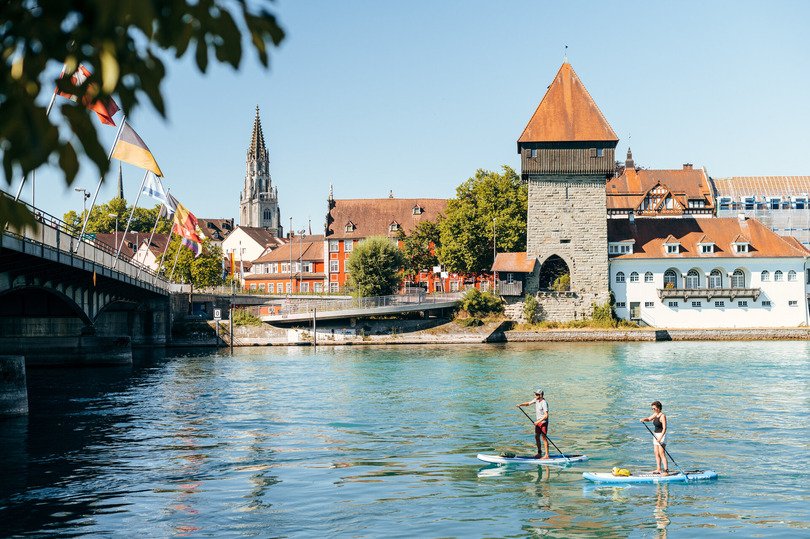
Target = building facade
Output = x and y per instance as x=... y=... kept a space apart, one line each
x=707 y=273
x=782 y=203
x=258 y=200
x=659 y=193
x=350 y=221
x=567 y=154
x=296 y=267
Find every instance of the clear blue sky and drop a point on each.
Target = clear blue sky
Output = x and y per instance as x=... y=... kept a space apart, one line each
x=415 y=96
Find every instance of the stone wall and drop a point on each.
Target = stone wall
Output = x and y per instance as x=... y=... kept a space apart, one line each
x=567 y=218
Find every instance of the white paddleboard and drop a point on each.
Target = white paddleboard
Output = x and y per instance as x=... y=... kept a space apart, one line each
x=555 y=460
x=647 y=477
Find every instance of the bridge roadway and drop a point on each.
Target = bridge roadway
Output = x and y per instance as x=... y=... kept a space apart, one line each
x=363 y=307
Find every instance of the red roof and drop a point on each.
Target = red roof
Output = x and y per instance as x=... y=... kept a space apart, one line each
x=567 y=113
x=628 y=190
x=651 y=234
x=307 y=247
x=375 y=216
x=514 y=262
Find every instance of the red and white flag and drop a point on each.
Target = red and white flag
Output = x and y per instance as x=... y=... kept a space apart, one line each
x=105 y=109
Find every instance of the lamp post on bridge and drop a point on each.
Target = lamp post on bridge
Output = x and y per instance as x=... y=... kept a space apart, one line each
x=85 y=195
x=116 y=227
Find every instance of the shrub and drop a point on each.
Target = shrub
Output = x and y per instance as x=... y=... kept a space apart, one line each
x=480 y=304
x=374 y=267
x=243 y=317
x=562 y=283
x=530 y=308
x=470 y=322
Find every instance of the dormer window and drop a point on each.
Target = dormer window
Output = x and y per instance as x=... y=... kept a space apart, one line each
x=620 y=248
x=350 y=227
x=418 y=210
x=672 y=246
x=740 y=247
x=393 y=227
x=705 y=246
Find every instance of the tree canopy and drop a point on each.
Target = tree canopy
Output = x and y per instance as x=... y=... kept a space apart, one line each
x=102 y=218
x=124 y=45
x=375 y=267
x=205 y=270
x=466 y=231
x=419 y=248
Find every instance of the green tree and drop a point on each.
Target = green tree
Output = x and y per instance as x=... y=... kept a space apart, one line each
x=205 y=270
x=419 y=248
x=375 y=267
x=124 y=45
x=102 y=218
x=466 y=231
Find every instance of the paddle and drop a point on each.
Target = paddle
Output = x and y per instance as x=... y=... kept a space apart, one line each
x=667 y=452
x=547 y=438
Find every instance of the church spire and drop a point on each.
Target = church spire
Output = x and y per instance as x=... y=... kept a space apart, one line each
x=629 y=163
x=257 y=149
x=120 y=182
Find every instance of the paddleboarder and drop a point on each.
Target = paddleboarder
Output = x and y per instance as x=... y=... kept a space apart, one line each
x=541 y=422
x=659 y=421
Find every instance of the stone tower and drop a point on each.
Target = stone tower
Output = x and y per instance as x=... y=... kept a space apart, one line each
x=567 y=151
x=258 y=201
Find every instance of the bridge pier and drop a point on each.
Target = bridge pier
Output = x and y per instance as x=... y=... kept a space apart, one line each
x=13 y=389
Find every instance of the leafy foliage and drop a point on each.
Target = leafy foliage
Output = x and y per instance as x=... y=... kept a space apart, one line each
x=562 y=283
x=205 y=270
x=123 y=44
x=243 y=317
x=530 y=308
x=420 y=246
x=102 y=218
x=375 y=267
x=466 y=231
x=480 y=304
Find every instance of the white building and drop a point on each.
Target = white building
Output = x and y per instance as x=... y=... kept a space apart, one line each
x=707 y=273
x=247 y=243
x=148 y=255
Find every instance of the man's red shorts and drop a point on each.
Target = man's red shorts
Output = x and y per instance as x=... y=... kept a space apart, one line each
x=542 y=429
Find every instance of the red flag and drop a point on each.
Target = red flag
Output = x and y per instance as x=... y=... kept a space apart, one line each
x=105 y=110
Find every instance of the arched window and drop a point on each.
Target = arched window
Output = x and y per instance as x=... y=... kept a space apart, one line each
x=693 y=279
x=791 y=275
x=670 y=279
x=765 y=276
x=648 y=277
x=738 y=279
x=716 y=279
x=634 y=277
x=267 y=214
x=777 y=276
x=620 y=277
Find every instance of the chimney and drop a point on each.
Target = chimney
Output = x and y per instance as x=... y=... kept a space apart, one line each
x=687 y=166
x=391 y=194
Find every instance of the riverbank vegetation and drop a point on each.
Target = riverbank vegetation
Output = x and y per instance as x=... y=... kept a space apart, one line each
x=602 y=317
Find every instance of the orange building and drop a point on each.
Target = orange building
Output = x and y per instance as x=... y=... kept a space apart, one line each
x=295 y=267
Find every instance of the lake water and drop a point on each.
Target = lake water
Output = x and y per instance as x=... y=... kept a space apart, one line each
x=370 y=442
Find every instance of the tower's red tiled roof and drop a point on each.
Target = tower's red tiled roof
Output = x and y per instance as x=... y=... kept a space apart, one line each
x=567 y=113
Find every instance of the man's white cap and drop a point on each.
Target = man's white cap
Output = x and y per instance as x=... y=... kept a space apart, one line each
x=538 y=391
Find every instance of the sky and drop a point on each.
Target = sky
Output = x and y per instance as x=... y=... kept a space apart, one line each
x=414 y=97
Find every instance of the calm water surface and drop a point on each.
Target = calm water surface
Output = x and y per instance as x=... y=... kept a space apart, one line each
x=280 y=442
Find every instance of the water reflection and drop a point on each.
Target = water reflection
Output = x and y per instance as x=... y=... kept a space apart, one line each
x=660 y=512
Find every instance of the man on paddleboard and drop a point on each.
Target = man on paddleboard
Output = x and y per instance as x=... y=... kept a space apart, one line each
x=541 y=423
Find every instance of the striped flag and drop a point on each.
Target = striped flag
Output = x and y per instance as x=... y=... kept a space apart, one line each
x=185 y=225
x=105 y=109
x=130 y=148
x=153 y=187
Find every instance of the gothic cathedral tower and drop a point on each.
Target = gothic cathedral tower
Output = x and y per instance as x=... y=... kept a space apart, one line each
x=567 y=151
x=258 y=201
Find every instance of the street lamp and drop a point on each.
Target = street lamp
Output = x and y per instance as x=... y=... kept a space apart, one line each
x=85 y=196
x=290 y=233
x=300 y=258
x=116 y=227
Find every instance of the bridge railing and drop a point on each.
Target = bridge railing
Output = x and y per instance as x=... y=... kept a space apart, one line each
x=408 y=298
x=54 y=233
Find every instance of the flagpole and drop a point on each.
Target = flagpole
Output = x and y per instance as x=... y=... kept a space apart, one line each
x=176 y=256
x=163 y=254
x=22 y=181
x=101 y=179
x=126 y=229
x=151 y=236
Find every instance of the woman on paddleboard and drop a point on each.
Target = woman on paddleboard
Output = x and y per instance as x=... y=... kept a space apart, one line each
x=659 y=421
x=541 y=422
